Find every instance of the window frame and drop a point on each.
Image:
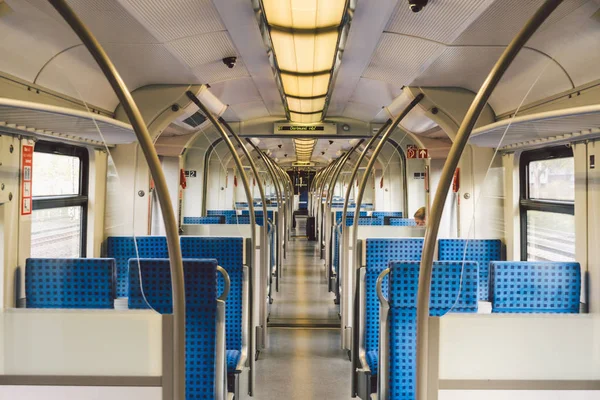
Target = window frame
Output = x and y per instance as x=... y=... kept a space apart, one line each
x=72 y=200
x=528 y=204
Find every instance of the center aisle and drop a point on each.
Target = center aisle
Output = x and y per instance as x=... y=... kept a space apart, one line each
x=304 y=359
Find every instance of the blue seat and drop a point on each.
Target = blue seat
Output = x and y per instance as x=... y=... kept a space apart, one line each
x=382 y=214
x=244 y=220
x=365 y=221
x=379 y=253
x=260 y=213
x=535 y=287
x=201 y=313
x=70 y=282
x=454 y=288
x=123 y=248
x=226 y=213
x=216 y=219
x=229 y=253
x=349 y=214
x=481 y=250
x=402 y=222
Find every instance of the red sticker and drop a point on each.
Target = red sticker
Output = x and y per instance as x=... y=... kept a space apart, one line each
x=26 y=176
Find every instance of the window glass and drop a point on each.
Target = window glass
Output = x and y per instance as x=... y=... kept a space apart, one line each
x=56 y=232
x=552 y=179
x=550 y=236
x=55 y=174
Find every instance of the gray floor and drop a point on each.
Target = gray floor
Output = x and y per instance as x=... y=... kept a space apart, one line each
x=303 y=363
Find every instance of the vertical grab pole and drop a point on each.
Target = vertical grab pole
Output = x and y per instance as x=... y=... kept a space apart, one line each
x=166 y=206
x=462 y=136
x=363 y=184
x=240 y=167
x=264 y=270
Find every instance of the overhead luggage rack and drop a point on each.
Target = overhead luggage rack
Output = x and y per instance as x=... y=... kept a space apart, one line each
x=35 y=119
x=566 y=125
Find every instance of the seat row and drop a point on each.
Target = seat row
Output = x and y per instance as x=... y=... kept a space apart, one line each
x=457 y=282
x=88 y=283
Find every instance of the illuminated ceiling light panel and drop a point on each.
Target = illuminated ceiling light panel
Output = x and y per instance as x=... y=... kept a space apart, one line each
x=305 y=86
x=304 y=148
x=306 y=105
x=304 y=14
x=306 y=118
x=304 y=52
x=304 y=38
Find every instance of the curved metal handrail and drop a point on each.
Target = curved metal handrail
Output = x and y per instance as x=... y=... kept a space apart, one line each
x=443 y=188
x=227 y=284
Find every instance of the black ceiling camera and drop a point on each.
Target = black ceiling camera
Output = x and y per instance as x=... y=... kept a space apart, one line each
x=230 y=61
x=279 y=145
x=417 y=5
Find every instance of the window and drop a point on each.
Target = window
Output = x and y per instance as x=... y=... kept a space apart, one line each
x=59 y=188
x=547 y=205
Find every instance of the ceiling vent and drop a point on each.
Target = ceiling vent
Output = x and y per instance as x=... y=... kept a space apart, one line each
x=195 y=120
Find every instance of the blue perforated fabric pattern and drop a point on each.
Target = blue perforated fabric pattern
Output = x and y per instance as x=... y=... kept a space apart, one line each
x=229 y=252
x=243 y=220
x=200 y=319
x=365 y=221
x=260 y=213
x=381 y=214
x=373 y=361
x=202 y=220
x=481 y=250
x=535 y=287
x=349 y=214
x=402 y=222
x=380 y=252
x=122 y=248
x=226 y=213
x=453 y=287
x=70 y=282
x=232 y=359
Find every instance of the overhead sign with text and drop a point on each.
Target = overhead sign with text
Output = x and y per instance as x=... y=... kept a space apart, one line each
x=286 y=128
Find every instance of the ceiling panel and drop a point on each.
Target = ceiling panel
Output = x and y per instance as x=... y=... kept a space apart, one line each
x=374 y=92
x=29 y=38
x=173 y=19
x=399 y=59
x=247 y=111
x=361 y=111
x=107 y=19
x=441 y=21
x=532 y=75
x=236 y=91
x=76 y=74
x=218 y=72
x=503 y=19
x=202 y=49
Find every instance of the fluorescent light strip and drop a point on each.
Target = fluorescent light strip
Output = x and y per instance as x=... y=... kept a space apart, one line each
x=304 y=35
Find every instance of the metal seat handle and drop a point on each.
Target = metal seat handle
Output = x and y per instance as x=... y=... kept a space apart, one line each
x=225 y=293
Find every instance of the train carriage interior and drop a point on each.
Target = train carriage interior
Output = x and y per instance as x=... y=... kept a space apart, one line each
x=299 y=199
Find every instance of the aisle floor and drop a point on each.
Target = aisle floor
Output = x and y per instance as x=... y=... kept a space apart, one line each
x=303 y=362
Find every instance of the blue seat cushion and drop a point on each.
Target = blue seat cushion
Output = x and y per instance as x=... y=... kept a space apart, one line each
x=373 y=361
x=233 y=358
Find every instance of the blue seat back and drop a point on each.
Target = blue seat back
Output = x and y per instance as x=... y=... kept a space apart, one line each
x=349 y=214
x=216 y=219
x=535 y=287
x=454 y=287
x=260 y=213
x=70 y=282
x=481 y=250
x=364 y=221
x=382 y=214
x=402 y=222
x=229 y=253
x=122 y=248
x=244 y=220
x=379 y=254
x=200 y=318
x=226 y=213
